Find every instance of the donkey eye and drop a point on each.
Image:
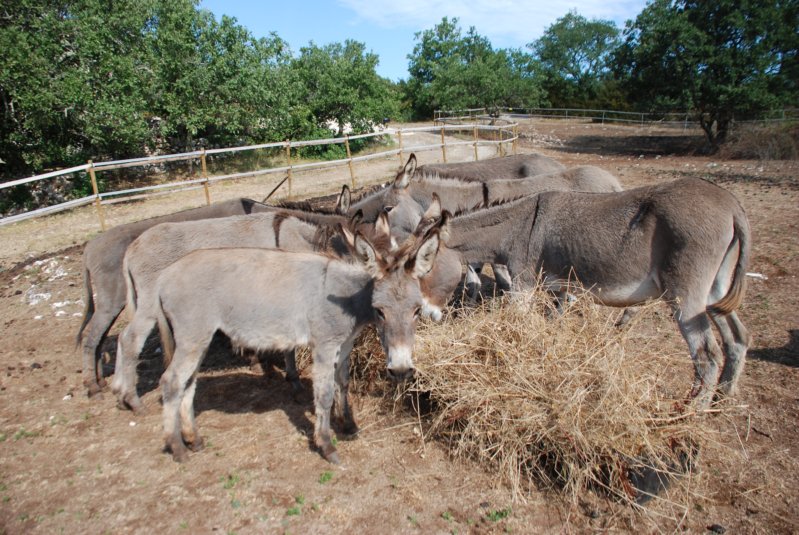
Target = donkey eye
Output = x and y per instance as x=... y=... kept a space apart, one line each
x=417 y=313
x=380 y=315
x=388 y=208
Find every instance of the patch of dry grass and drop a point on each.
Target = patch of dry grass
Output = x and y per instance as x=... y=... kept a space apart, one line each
x=565 y=402
x=769 y=142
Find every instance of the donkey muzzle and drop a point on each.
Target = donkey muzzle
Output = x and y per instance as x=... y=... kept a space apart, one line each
x=401 y=375
x=400 y=364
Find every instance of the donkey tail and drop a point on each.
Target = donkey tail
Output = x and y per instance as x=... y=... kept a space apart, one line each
x=88 y=307
x=167 y=335
x=741 y=236
x=130 y=288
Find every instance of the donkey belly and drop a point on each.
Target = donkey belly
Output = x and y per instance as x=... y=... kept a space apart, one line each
x=621 y=294
x=609 y=290
x=267 y=328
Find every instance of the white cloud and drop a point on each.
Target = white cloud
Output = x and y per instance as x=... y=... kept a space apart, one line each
x=507 y=23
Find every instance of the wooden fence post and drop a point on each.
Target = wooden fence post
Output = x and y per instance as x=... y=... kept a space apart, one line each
x=205 y=176
x=443 y=146
x=475 y=144
x=515 y=138
x=500 y=146
x=96 y=190
x=399 y=138
x=349 y=159
x=288 y=162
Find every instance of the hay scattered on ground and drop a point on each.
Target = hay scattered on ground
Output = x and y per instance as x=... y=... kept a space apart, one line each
x=567 y=402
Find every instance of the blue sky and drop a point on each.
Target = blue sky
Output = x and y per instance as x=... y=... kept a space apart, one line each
x=387 y=28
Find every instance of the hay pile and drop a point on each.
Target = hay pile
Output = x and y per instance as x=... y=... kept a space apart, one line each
x=568 y=401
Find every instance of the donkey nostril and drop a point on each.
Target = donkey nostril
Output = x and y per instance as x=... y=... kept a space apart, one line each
x=400 y=374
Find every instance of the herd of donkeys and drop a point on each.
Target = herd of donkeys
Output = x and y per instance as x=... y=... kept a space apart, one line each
x=274 y=278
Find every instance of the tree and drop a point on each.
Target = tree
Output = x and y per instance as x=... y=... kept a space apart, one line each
x=726 y=59
x=341 y=86
x=449 y=70
x=73 y=82
x=574 y=53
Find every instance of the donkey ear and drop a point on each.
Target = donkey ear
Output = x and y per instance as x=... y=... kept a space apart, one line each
x=444 y=228
x=344 y=201
x=425 y=255
x=382 y=226
x=406 y=173
x=434 y=210
x=356 y=218
x=366 y=254
x=349 y=237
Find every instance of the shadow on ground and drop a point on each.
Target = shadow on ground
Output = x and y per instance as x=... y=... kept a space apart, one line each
x=646 y=145
x=788 y=355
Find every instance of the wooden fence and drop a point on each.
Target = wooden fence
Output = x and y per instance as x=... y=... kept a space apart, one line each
x=685 y=120
x=479 y=134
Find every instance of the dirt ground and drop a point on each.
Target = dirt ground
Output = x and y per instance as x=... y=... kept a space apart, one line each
x=69 y=464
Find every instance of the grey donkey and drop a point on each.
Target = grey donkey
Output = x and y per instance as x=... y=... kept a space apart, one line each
x=104 y=284
x=687 y=241
x=278 y=300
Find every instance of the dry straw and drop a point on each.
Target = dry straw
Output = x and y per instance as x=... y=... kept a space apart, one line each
x=561 y=401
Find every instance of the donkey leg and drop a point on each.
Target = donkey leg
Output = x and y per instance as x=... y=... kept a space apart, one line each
x=96 y=330
x=502 y=277
x=472 y=283
x=735 y=342
x=171 y=397
x=254 y=358
x=188 y=424
x=628 y=314
x=342 y=399
x=292 y=375
x=323 y=379
x=705 y=353
x=129 y=346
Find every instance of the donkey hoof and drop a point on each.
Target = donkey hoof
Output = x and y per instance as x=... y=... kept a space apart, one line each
x=350 y=428
x=94 y=390
x=329 y=452
x=131 y=403
x=180 y=456
x=198 y=444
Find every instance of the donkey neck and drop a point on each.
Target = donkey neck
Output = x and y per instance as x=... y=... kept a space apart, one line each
x=455 y=194
x=488 y=235
x=350 y=288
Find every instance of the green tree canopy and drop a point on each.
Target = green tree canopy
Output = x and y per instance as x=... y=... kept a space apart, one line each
x=574 y=53
x=450 y=70
x=726 y=59
x=80 y=81
x=74 y=76
x=340 y=86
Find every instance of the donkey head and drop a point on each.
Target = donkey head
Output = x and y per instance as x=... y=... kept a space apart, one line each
x=397 y=200
x=396 y=297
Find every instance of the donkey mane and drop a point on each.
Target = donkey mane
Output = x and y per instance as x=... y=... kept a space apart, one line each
x=482 y=206
x=302 y=206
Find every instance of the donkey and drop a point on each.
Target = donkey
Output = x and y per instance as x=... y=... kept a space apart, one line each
x=160 y=246
x=687 y=241
x=271 y=299
x=465 y=194
x=514 y=166
x=102 y=274
x=409 y=197
x=163 y=244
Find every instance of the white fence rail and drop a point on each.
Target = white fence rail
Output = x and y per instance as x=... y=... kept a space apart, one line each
x=684 y=120
x=500 y=135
